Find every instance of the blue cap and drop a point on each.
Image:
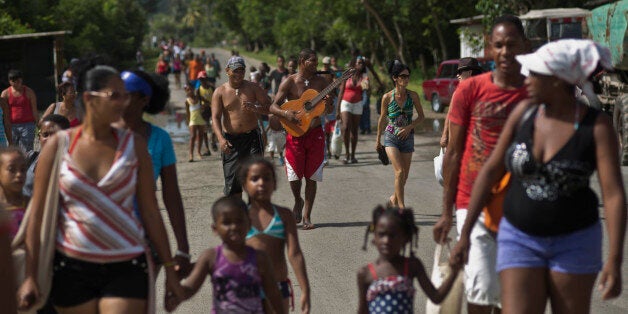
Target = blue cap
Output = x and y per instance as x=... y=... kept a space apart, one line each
x=134 y=83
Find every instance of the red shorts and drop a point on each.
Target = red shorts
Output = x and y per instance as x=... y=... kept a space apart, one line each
x=329 y=126
x=305 y=155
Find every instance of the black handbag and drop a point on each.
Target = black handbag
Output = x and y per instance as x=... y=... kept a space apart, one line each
x=383 y=157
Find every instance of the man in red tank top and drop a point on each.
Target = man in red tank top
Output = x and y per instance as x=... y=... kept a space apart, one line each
x=23 y=111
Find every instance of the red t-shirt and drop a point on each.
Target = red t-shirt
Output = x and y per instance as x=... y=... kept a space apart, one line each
x=482 y=108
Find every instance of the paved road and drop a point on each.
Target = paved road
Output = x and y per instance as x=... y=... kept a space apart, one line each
x=341 y=213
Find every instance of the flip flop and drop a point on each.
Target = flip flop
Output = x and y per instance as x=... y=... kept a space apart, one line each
x=308 y=226
x=298 y=213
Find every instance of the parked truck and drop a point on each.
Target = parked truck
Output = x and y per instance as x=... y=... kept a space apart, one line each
x=607 y=25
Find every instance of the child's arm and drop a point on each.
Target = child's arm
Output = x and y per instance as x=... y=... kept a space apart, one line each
x=187 y=112
x=436 y=295
x=202 y=268
x=295 y=256
x=363 y=285
x=268 y=281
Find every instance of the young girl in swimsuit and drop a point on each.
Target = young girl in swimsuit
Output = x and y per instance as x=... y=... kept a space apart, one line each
x=238 y=271
x=195 y=121
x=386 y=286
x=12 y=178
x=273 y=228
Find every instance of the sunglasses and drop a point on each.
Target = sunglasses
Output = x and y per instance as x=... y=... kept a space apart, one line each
x=403 y=76
x=115 y=96
x=46 y=134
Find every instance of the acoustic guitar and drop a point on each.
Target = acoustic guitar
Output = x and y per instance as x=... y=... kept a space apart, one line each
x=309 y=106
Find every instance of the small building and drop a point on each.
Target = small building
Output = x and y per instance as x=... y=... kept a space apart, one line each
x=40 y=58
x=473 y=41
x=541 y=26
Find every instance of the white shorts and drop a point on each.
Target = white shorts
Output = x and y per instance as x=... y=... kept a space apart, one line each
x=481 y=279
x=276 y=141
x=352 y=107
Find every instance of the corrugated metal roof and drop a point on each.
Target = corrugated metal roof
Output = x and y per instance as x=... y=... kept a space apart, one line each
x=555 y=13
x=32 y=35
x=467 y=19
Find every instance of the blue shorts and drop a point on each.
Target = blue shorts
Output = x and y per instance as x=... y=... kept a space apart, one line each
x=579 y=252
x=404 y=146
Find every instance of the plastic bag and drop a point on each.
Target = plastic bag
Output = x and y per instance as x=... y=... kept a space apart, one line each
x=336 y=139
x=441 y=270
x=438 y=166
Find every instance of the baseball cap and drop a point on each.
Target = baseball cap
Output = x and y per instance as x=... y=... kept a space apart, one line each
x=326 y=60
x=236 y=62
x=201 y=75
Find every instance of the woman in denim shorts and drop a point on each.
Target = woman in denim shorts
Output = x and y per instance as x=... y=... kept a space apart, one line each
x=398 y=106
x=549 y=243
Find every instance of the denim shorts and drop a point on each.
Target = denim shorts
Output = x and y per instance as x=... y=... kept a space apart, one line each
x=404 y=146
x=579 y=252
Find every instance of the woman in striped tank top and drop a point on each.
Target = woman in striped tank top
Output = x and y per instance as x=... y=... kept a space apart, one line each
x=398 y=106
x=100 y=264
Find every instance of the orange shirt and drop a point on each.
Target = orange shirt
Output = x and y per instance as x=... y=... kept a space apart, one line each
x=194 y=67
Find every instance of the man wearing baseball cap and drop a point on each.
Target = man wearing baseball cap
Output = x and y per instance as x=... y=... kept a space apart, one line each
x=235 y=106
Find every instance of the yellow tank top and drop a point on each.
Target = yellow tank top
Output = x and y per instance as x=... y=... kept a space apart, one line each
x=206 y=94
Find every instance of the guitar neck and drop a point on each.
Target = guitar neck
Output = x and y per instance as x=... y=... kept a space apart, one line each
x=332 y=86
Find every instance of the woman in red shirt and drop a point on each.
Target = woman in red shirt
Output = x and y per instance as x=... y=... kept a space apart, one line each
x=350 y=109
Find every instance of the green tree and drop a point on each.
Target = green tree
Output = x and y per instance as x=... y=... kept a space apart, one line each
x=112 y=27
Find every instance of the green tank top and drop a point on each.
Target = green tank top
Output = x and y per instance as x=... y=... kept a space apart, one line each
x=399 y=117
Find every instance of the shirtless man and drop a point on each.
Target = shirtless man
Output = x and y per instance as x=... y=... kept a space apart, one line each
x=304 y=154
x=235 y=106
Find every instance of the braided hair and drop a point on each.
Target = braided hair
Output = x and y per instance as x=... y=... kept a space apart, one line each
x=404 y=218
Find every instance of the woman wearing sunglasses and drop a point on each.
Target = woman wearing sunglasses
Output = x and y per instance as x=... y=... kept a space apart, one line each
x=398 y=106
x=65 y=107
x=100 y=263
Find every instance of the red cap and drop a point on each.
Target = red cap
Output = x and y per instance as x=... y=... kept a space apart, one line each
x=201 y=75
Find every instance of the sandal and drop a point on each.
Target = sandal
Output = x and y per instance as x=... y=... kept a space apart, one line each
x=345 y=161
x=354 y=161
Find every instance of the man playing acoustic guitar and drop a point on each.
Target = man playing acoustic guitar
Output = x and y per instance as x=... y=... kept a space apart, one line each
x=235 y=105
x=304 y=154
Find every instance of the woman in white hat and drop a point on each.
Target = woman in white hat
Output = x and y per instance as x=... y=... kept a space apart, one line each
x=550 y=238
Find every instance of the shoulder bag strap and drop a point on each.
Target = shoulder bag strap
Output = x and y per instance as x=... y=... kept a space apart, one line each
x=52 y=186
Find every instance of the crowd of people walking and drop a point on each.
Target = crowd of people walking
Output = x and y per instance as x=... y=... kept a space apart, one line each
x=99 y=163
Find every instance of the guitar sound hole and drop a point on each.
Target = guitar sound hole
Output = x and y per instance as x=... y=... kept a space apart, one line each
x=307 y=106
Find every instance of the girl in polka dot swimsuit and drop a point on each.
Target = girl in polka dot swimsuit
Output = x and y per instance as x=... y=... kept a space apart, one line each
x=386 y=286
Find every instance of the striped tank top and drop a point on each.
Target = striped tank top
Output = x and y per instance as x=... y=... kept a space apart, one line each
x=96 y=220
